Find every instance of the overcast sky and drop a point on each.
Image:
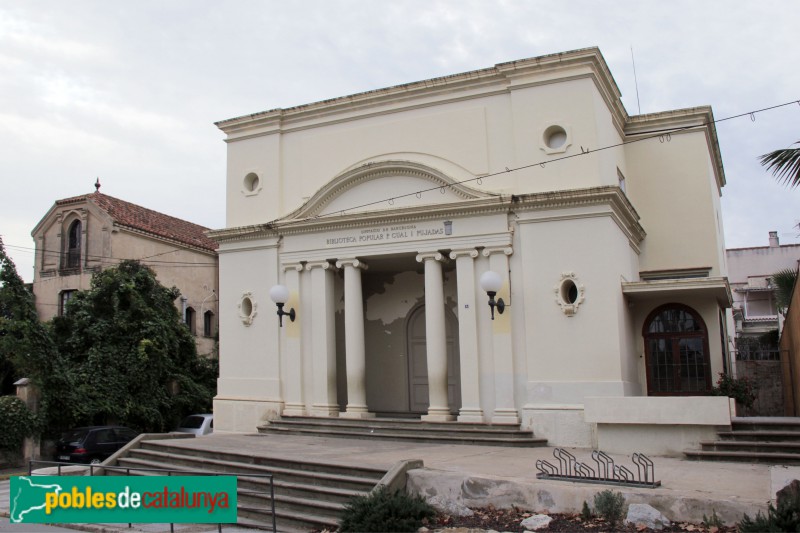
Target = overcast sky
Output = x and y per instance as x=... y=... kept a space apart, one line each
x=128 y=91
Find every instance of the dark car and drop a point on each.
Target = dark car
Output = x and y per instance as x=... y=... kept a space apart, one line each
x=92 y=445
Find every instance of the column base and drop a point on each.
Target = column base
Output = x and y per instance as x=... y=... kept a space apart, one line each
x=294 y=409
x=505 y=416
x=325 y=410
x=356 y=411
x=438 y=414
x=474 y=416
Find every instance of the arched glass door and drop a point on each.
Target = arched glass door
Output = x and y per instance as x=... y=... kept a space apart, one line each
x=676 y=351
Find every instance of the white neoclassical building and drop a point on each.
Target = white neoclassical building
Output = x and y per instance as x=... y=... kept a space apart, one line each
x=382 y=212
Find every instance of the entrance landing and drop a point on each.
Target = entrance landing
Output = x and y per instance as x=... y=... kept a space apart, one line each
x=405 y=430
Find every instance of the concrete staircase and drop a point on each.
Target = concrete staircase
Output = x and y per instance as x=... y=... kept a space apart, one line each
x=774 y=440
x=308 y=496
x=408 y=430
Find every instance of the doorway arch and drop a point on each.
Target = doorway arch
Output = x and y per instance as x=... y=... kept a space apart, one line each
x=418 y=399
x=676 y=352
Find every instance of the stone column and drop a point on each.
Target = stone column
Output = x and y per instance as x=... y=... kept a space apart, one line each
x=323 y=339
x=435 y=338
x=292 y=352
x=505 y=411
x=468 y=336
x=355 y=354
x=29 y=393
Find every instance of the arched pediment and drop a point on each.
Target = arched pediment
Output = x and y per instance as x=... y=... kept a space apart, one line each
x=382 y=186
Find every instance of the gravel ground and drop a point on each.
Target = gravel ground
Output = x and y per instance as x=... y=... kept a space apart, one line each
x=510 y=520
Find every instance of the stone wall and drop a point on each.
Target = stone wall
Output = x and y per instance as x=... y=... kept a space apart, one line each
x=768 y=376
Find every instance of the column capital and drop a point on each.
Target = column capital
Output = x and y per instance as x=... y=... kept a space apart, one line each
x=471 y=252
x=351 y=261
x=292 y=266
x=324 y=265
x=436 y=256
x=507 y=250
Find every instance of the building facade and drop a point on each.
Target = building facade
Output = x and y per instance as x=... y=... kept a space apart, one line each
x=750 y=272
x=86 y=234
x=382 y=211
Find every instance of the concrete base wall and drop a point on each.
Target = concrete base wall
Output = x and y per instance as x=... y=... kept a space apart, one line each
x=565 y=497
x=651 y=439
x=657 y=425
x=560 y=425
x=243 y=416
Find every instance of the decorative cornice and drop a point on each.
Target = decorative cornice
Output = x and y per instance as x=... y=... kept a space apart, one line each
x=718 y=286
x=623 y=212
x=692 y=119
x=483 y=83
x=401 y=215
x=243 y=233
x=383 y=169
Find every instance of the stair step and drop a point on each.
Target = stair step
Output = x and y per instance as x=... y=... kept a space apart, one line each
x=418 y=437
x=306 y=478
x=414 y=423
x=751 y=446
x=510 y=432
x=778 y=423
x=287 y=520
x=767 y=435
x=270 y=463
x=305 y=499
x=750 y=457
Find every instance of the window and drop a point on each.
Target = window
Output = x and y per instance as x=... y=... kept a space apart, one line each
x=621 y=180
x=676 y=350
x=63 y=298
x=74 y=245
x=190 y=322
x=208 y=323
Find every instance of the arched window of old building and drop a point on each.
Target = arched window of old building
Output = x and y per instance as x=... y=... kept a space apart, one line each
x=74 y=245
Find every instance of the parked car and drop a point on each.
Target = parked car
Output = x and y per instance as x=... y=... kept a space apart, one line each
x=92 y=445
x=198 y=424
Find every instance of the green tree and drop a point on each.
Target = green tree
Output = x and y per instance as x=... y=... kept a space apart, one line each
x=784 y=164
x=131 y=358
x=26 y=346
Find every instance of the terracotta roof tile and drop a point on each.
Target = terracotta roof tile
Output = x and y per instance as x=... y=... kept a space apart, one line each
x=146 y=220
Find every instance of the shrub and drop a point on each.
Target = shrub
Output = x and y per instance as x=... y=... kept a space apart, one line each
x=610 y=506
x=586 y=513
x=785 y=518
x=713 y=520
x=383 y=510
x=741 y=389
x=17 y=422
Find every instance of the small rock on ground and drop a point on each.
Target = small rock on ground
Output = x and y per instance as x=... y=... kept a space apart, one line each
x=641 y=514
x=536 y=522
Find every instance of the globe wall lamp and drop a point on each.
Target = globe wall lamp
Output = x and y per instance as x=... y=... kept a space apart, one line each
x=280 y=295
x=491 y=282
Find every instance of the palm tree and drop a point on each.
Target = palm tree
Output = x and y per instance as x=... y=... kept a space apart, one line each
x=785 y=164
x=784 y=281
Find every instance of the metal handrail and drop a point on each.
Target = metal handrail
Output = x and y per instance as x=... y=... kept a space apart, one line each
x=170 y=472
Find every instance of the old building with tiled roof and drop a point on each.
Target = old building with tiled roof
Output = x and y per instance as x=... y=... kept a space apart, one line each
x=84 y=234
